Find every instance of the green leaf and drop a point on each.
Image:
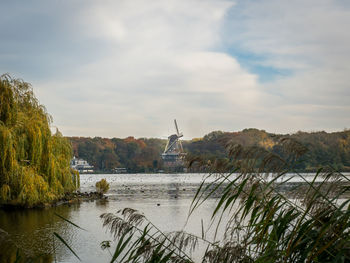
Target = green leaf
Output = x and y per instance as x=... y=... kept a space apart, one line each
x=70 y=222
x=65 y=243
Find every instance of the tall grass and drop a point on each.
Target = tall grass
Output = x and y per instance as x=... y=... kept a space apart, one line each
x=265 y=217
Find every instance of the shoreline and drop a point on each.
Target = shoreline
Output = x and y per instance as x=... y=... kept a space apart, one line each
x=69 y=198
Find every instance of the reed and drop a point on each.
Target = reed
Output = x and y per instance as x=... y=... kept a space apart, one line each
x=268 y=218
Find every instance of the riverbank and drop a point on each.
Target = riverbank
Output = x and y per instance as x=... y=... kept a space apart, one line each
x=69 y=198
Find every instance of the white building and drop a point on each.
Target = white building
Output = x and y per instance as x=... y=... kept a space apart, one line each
x=81 y=165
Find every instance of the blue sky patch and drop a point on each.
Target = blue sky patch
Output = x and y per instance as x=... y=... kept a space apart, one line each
x=254 y=63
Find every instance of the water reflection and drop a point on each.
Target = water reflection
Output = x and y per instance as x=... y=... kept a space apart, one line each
x=30 y=233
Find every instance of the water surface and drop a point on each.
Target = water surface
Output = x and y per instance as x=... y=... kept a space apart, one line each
x=163 y=198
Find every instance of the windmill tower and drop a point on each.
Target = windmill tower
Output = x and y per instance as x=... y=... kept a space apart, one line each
x=173 y=155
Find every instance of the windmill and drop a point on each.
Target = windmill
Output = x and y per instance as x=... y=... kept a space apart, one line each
x=174 y=154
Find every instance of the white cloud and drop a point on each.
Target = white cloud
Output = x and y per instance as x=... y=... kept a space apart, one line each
x=120 y=68
x=159 y=67
x=311 y=39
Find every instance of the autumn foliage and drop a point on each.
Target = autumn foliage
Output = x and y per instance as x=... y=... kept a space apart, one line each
x=144 y=154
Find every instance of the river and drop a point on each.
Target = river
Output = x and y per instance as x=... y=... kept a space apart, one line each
x=163 y=198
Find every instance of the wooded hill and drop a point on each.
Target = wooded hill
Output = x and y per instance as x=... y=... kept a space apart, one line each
x=143 y=154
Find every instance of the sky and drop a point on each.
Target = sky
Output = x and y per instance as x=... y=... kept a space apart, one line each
x=128 y=68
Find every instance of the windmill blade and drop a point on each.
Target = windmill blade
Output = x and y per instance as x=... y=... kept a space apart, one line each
x=169 y=146
x=166 y=146
x=182 y=149
x=177 y=129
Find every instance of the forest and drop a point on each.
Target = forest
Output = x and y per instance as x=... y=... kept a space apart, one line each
x=143 y=154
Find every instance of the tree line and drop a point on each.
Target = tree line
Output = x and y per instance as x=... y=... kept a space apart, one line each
x=144 y=154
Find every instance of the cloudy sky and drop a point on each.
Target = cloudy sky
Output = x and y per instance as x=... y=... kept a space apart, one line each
x=118 y=68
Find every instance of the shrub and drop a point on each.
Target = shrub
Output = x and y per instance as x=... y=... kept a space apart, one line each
x=102 y=186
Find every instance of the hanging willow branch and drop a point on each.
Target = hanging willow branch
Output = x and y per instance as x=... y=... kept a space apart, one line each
x=34 y=164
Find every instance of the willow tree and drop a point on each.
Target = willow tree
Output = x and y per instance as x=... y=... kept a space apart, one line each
x=34 y=163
